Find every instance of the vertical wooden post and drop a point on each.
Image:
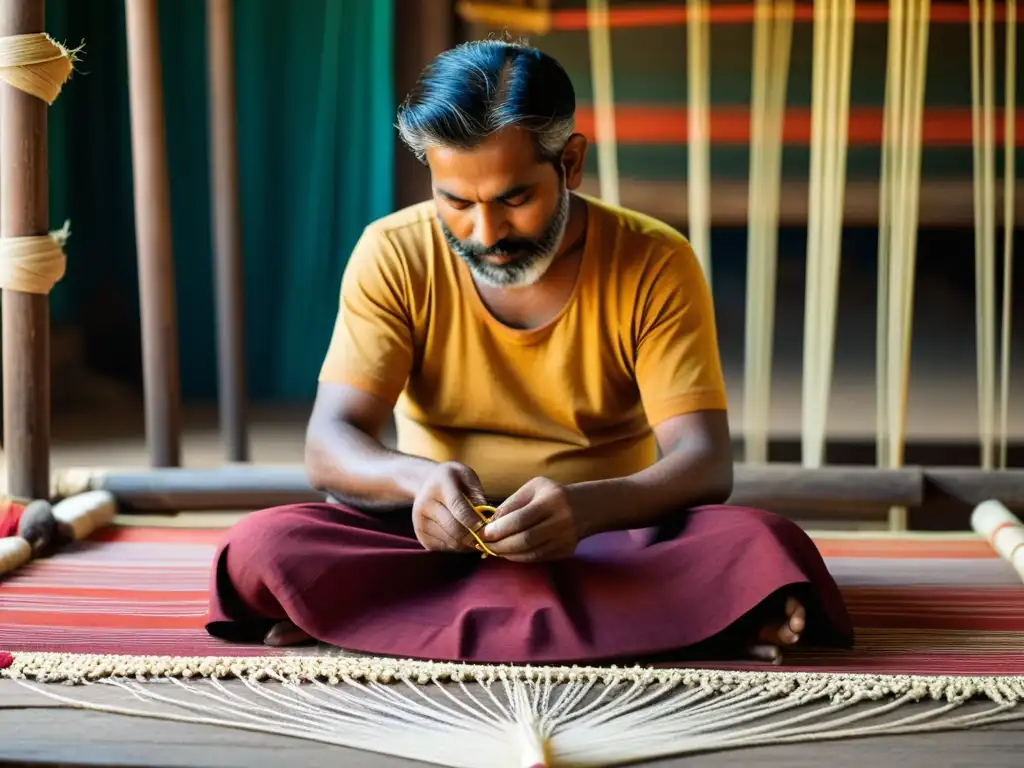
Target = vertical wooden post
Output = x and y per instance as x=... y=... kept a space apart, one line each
x=227 y=229
x=423 y=29
x=153 y=235
x=24 y=211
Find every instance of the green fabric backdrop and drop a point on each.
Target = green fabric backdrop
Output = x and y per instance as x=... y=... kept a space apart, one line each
x=315 y=111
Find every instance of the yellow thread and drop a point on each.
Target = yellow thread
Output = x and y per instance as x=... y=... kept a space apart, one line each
x=484 y=520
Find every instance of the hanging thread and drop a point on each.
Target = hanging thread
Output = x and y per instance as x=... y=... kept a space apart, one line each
x=1009 y=185
x=899 y=193
x=983 y=121
x=598 y=25
x=773 y=31
x=698 y=138
x=830 y=109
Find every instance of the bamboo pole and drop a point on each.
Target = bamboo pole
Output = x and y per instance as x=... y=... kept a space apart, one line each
x=153 y=235
x=24 y=211
x=227 y=241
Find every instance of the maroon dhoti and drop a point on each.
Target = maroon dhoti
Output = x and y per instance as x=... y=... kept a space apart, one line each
x=365 y=583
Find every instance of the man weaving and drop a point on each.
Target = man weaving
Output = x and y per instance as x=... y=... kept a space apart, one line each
x=538 y=349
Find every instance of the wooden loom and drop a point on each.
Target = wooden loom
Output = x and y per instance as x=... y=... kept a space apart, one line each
x=531 y=725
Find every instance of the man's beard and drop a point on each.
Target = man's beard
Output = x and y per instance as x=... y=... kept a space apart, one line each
x=531 y=257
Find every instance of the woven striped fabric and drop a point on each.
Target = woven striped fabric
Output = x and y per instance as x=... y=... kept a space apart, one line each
x=920 y=605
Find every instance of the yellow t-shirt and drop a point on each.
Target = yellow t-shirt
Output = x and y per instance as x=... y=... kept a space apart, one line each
x=572 y=400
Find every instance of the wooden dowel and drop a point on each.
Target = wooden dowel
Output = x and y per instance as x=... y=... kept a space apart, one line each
x=153 y=235
x=239 y=487
x=826 y=489
x=227 y=243
x=973 y=485
x=24 y=210
x=251 y=487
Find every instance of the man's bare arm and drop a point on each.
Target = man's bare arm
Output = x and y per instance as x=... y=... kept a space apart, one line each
x=696 y=468
x=346 y=458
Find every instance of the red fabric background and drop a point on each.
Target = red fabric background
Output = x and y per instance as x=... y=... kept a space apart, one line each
x=10 y=516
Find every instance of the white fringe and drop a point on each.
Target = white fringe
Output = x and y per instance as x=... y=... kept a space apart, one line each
x=474 y=715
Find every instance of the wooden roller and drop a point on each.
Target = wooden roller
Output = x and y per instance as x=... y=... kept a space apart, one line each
x=247 y=487
x=1003 y=530
x=86 y=512
x=14 y=553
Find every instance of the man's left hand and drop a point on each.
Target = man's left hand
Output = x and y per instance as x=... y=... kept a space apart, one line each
x=535 y=524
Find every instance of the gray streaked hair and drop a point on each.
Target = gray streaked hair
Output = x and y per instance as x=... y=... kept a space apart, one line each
x=478 y=88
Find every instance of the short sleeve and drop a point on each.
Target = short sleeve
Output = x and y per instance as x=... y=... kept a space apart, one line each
x=677 y=366
x=371 y=347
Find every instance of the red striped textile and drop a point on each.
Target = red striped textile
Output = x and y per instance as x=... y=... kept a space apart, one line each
x=920 y=606
x=668 y=14
x=730 y=125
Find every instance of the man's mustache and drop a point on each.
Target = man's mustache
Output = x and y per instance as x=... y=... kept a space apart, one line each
x=501 y=248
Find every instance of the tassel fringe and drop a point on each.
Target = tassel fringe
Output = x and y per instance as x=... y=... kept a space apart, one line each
x=472 y=715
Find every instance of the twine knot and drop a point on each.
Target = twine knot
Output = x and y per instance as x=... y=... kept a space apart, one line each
x=33 y=263
x=36 y=64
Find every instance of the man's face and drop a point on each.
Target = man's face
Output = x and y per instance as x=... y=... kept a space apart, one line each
x=502 y=210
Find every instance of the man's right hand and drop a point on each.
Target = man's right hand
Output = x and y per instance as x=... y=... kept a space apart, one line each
x=442 y=512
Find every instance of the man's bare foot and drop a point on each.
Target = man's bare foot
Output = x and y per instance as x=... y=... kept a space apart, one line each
x=770 y=654
x=779 y=634
x=285 y=633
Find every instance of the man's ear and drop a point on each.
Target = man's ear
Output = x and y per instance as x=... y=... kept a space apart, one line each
x=573 y=158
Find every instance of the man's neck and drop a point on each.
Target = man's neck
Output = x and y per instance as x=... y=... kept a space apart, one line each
x=534 y=305
x=576 y=227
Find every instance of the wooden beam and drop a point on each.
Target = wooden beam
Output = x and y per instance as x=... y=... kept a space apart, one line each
x=227 y=241
x=24 y=211
x=239 y=487
x=790 y=487
x=970 y=486
x=826 y=490
x=153 y=235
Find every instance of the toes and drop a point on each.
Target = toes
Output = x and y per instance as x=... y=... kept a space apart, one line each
x=765 y=652
x=797 y=615
x=787 y=631
x=768 y=635
x=787 y=636
x=285 y=633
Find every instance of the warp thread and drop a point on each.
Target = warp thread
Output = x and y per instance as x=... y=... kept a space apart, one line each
x=38 y=65
x=463 y=715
